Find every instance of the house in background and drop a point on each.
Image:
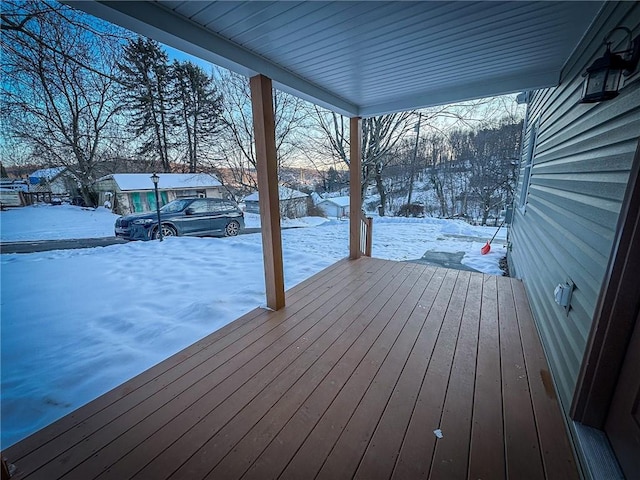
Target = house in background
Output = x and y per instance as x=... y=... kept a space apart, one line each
x=335 y=207
x=15 y=184
x=134 y=192
x=58 y=181
x=293 y=203
x=12 y=192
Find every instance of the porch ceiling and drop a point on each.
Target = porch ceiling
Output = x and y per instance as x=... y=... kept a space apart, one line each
x=369 y=58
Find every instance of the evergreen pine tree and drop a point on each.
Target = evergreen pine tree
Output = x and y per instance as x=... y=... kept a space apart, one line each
x=198 y=109
x=146 y=80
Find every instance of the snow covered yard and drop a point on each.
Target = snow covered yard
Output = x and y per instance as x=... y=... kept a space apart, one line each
x=55 y=222
x=76 y=323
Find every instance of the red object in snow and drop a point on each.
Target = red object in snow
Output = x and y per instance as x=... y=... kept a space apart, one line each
x=487 y=247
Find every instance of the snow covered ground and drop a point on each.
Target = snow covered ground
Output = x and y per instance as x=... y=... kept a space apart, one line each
x=49 y=222
x=76 y=323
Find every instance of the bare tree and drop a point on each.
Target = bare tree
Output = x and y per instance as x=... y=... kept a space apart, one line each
x=58 y=91
x=236 y=148
x=447 y=156
x=493 y=166
x=439 y=169
x=380 y=137
x=16 y=17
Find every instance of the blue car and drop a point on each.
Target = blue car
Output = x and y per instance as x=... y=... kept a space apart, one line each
x=185 y=216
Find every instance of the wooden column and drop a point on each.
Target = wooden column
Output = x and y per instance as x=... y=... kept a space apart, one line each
x=355 y=185
x=265 y=138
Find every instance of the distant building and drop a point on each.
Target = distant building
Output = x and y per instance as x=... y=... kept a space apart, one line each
x=12 y=192
x=57 y=180
x=134 y=192
x=316 y=198
x=293 y=203
x=14 y=184
x=336 y=207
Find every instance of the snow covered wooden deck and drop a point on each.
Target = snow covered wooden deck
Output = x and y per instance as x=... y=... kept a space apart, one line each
x=349 y=380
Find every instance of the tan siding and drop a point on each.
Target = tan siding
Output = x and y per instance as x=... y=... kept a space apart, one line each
x=214 y=192
x=580 y=171
x=107 y=185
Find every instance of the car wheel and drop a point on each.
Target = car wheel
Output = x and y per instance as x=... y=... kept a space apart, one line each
x=232 y=229
x=167 y=231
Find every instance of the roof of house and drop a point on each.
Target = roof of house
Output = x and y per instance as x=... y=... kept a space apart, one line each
x=47 y=173
x=366 y=58
x=168 y=181
x=285 y=193
x=339 y=201
x=316 y=197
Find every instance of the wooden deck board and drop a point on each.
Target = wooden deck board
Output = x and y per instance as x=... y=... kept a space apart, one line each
x=520 y=434
x=280 y=451
x=348 y=381
x=556 y=451
x=210 y=453
x=486 y=457
x=416 y=453
x=355 y=371
x=352 y=443
x=451 y=457
x=237 y=462
x=382 y=451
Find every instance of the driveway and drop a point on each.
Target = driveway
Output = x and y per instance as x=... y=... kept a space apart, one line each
x=70 y=244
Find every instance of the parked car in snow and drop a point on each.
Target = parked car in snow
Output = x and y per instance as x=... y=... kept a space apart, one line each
x=184 y=216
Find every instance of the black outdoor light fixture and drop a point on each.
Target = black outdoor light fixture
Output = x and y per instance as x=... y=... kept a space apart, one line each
x=603 y=76
x=155 y=179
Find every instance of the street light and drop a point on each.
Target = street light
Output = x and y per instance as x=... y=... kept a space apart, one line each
x=155 y=178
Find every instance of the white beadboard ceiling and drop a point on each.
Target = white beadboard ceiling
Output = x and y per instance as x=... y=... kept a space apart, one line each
x=370 y=57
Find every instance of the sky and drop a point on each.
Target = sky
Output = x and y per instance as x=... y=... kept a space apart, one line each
x=77 y=323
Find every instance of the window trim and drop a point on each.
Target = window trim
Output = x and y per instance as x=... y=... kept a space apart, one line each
x=528 y=166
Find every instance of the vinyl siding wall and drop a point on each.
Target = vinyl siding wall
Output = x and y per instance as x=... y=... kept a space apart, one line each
x=581 y=164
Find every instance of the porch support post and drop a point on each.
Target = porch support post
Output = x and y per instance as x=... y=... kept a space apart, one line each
x=355 y=185
x=265 y=140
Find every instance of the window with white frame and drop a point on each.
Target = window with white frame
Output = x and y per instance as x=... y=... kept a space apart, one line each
x=526 y=176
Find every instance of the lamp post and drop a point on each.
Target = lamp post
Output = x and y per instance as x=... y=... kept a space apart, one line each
x=155 y=178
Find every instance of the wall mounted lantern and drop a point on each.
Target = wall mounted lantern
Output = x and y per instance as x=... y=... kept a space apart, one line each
x=603 y=76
